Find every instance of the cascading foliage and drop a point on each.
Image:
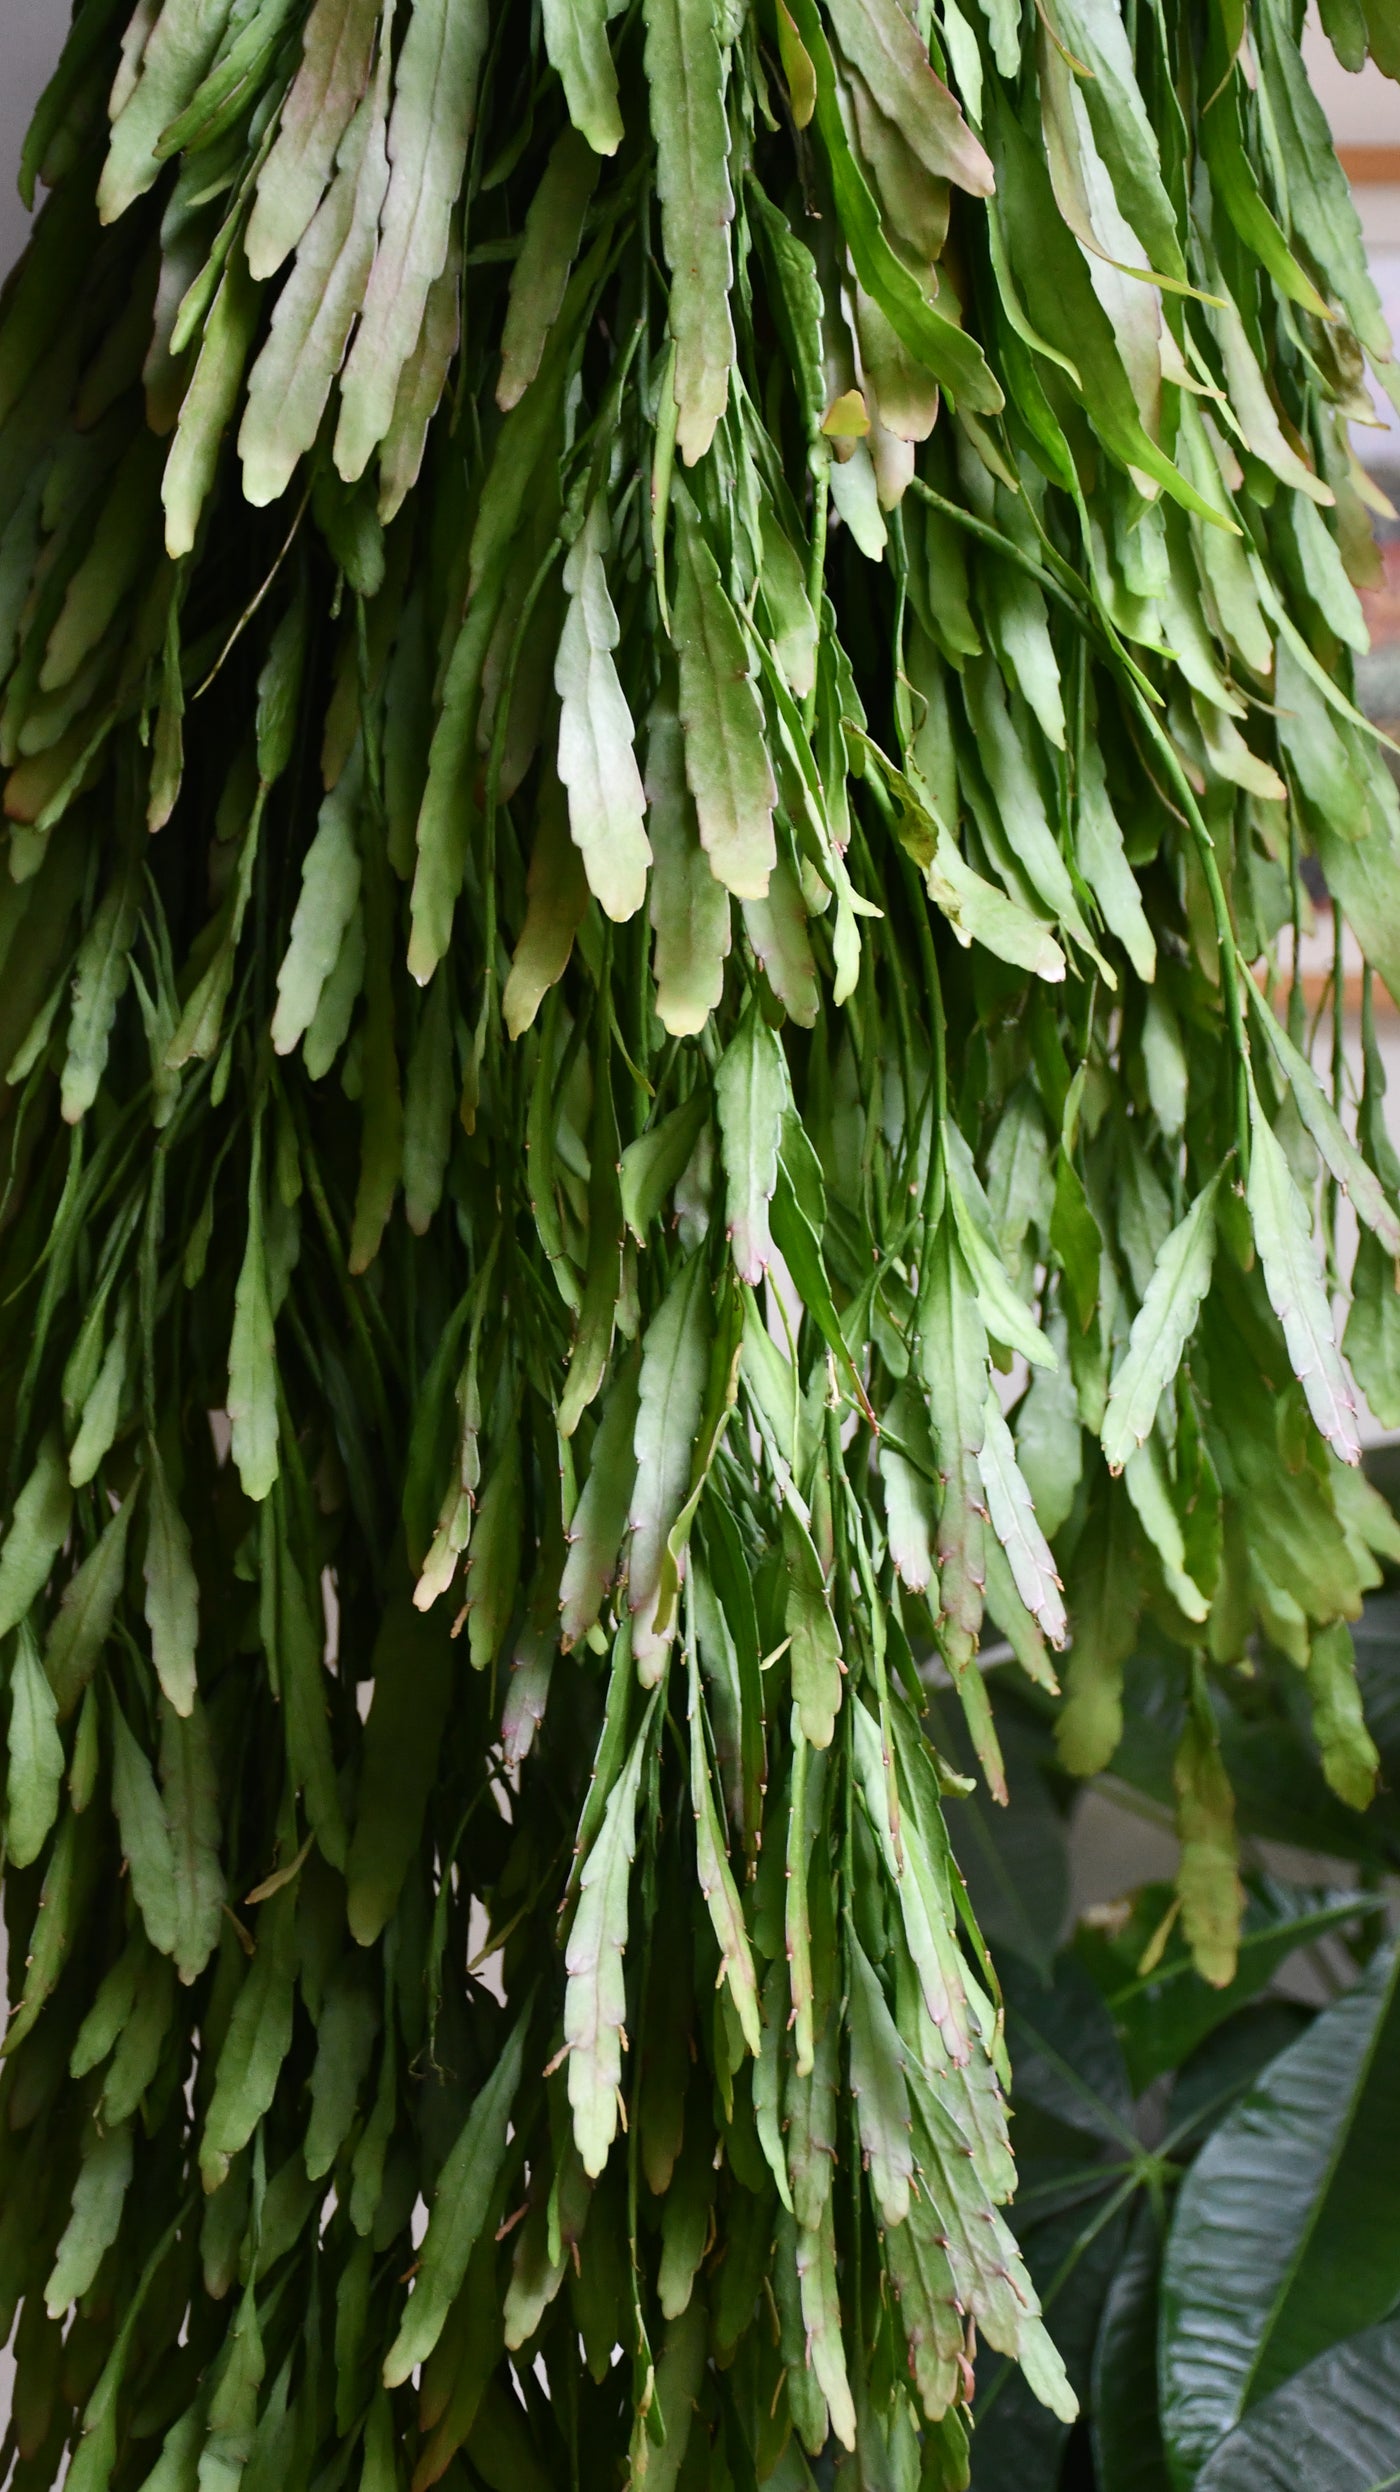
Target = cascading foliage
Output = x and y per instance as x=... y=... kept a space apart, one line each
x=667 y=674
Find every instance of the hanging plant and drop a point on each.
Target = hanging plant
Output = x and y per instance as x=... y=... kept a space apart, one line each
x=668 y=678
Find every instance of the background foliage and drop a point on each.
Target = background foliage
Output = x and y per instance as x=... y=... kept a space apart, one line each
x=1206 y=2191
x=664 y=675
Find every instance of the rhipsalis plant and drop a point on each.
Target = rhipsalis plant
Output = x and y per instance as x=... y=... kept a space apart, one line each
x=668 y=671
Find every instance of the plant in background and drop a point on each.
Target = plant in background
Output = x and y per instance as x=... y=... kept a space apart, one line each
x=1207 y=2196
x=666 y=673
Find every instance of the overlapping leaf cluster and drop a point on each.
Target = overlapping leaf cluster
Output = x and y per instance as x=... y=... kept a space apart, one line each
x=663 y=674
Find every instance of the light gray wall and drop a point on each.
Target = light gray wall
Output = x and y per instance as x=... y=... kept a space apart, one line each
x=31 y=36
x=1364 y=111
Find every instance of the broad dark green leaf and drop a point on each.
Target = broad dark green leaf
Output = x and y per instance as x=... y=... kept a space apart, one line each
x=1129 y=2455
x=1336 y=2421
x=1285 y=2233
x=1065 y=2054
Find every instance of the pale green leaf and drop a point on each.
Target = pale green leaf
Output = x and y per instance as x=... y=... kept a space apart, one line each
x=1149 y=1489
x=99 y=2195
x=878 y=37
x=675 y=1360
x=1339 y=1153
x=597 y=763
x=172 y=1589
x=952 y=1355
x=716 y=1879
x=1161 y=1329
x=252 y=1369
x=750 y=1096
x=576 y=39
x=102 y=971
x=1293 y=1278
x=336 y=45
x=690 y=908
x=461 y=2202
x=86 y=1611
x=330 y=890
x=38 y=1528
x=312 y=318
x=1012 y=1516
x=881 y=2096
x=726 y=759
x=686 y=66
x=190 y=1792
x=434 y=114
x=595 y=1998
x=145 y=1835
x=36 y=1758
